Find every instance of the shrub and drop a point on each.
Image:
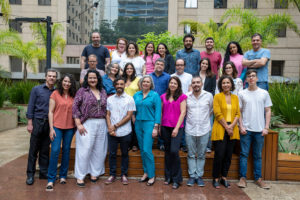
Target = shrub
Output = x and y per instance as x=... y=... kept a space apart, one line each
x=2 y=93
x=286 y=101
x=19 y=92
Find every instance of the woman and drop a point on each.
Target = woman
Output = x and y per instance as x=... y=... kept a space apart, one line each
x=225 y=131
x=164 y=53
x=173 y=113
x=207 y=76
x=229 y=69
x=209 y=85
x=120 y=53
x=150 y=57
x=131 y=87
x=62 y=126
x=132 y=55
x=112 y=72
x=234 y=53
x=89 y=111
x=148 y=113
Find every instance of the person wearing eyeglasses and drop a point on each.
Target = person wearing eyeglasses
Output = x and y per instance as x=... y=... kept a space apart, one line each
x=92 y=61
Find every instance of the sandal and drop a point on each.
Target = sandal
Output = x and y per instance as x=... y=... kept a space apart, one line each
x=49 y=187
x=63 y=181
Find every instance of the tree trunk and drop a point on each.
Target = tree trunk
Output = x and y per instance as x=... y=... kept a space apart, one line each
x=25 y=72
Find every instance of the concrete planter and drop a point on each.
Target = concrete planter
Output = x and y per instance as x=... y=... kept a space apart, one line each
x=8 y=118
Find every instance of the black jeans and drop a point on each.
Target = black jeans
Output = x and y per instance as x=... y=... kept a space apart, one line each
x=39 y=144
x=113 y=147
x=223 y=154
x=172 y=159
x=133 y=141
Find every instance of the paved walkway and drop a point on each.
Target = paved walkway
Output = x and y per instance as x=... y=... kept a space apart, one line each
x=14 y=144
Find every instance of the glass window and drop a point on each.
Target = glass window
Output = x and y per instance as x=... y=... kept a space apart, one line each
x=72 y=60
x=45 y=2
x=220 y=3
x=15 y=26
x=280 y=4
x=250 y=4
x=15 y=64
x=277 y=67
x=191 y=4
x=281 y=32
x=42 y=65
x=18 y=2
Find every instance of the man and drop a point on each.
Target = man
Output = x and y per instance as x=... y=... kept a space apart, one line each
x=120 y=108
x=161 y=82
x=99 y=50
x=255 y=104
x=92 y=62
x=186 y=80
x=197 y=129
x=214 y=56
x=258 y=59
x=38 y=126
x=191 y=56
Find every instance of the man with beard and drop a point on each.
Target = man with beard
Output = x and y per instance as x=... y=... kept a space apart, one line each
x=120 y=108
x=214 y=57
x=189 y=55
x=99 y=50
x=197 y=129
x=38 y=126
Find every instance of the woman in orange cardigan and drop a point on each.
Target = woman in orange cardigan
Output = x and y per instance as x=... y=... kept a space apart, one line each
x=225 y=131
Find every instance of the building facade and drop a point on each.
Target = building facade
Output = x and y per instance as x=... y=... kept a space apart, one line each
x=285 y=55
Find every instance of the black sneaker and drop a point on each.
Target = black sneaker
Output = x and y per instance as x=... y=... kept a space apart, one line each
x=184 y=149
x=190 y=182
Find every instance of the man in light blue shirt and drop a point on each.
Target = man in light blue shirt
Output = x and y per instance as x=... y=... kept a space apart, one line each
x=191 y=56
x=258 y=59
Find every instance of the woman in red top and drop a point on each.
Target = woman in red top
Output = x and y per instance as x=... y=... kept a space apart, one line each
x=61 y=127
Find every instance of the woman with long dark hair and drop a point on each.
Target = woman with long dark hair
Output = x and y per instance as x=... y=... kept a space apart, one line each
x=62 y=126
x=229 y=69
x=150 y=57
x=234 y=53
x=89 y=112
x=164 y=53
x=207 y=76
x=173 y=113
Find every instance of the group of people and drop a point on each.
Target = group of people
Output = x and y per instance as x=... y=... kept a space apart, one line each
x=129 y=99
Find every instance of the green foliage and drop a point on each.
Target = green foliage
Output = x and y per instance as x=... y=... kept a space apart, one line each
x=5 y=9
x=19 y=92
x=173 y=42
x=276 y=120
x=286 y=101
x=289 y=141
x=239 y=25
x=2 y=93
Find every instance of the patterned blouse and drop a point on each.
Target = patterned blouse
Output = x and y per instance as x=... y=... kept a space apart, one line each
x=86 y=106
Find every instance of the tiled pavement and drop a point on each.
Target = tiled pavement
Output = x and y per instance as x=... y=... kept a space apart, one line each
x=14 y=147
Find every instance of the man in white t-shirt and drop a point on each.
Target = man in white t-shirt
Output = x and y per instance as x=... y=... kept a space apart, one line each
x=255 y=104
x=186 y=81
x=185 y=78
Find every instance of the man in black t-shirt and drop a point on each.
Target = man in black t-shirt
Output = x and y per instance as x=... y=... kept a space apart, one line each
x=99 y=50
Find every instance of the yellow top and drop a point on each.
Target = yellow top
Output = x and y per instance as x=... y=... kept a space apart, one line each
x=220 y=110
x=228 y=115
x=133 y=87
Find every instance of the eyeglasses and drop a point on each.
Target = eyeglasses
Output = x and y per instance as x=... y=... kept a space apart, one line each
x=121 y=44
x=251 y=76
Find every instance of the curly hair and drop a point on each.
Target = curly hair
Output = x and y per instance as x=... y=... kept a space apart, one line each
x=227 y=52
x=177 y=92
x=221 y=80
x=85 y=82
x=72 y=90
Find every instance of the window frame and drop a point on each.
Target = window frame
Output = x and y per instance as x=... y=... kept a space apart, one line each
x=44 y=2
x=185 y=1
x=250 y=4
x=280 y=65
x=224 y=5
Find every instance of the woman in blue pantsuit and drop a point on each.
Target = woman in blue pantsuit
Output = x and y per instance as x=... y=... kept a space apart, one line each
x=148 y=114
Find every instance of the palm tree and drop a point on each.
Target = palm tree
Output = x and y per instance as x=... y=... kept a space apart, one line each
x=248 y=24
x=58 y=43
x=5 y=9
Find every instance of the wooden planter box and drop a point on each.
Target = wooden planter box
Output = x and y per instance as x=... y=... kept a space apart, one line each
x=8 y=118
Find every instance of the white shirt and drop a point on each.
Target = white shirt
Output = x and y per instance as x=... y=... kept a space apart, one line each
x=198 y=113
x=186 y=81
x=138 y=63
x=116 y=58
x=118 y=107
x=252 y=105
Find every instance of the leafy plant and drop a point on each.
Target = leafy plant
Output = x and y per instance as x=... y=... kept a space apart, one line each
x=286 y=101
x=19 y=92
x=2 y=93
x=294 y=138
x=282 y=138
x=276 y=120
x=173 y=42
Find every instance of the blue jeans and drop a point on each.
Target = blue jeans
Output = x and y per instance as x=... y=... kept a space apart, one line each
x=262 y=85
x=66 y=135
x=257 y=140
x=211 y=118
x=196 y=145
